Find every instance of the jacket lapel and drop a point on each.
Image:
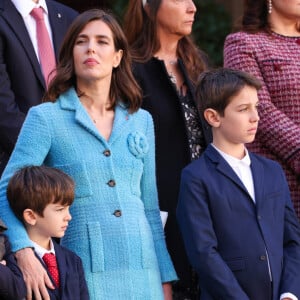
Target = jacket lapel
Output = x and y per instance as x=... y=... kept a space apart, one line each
x=70 y=101
x=258 y=179
x=61 y=263
x=223 y=167
x=16 y=23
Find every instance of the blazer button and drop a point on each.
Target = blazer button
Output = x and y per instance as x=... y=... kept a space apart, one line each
x=111 y=183
x=262 y=257
x=106 y=153
x=117 y=213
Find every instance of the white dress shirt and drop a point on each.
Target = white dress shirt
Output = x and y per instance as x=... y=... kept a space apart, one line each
x=40 y=251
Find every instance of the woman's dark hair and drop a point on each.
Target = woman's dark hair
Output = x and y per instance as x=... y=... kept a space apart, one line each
x=140 y=30
x=255 y=17
x=123 y=85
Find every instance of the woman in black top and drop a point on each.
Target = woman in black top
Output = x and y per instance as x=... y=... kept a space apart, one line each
x=167 y=64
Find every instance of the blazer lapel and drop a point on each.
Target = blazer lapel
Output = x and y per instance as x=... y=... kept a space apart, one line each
x=61 y=263
x=223 y=167
x=70 y=101
x=16 y=23
x=258 y=179
x=121 y=122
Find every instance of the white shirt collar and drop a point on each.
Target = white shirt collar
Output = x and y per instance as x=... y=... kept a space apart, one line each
x=233 y=161
x=24 y=7
x=40 y=251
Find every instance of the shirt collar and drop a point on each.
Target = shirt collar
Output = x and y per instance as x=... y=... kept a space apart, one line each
x=233 y=161
x=24 y=7
x=40 y=251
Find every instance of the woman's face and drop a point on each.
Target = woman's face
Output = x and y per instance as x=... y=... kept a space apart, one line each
x=176 y=17
x=287 y=9
x=94 y=53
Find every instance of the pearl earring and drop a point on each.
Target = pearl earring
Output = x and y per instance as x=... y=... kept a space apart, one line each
x=270 y=7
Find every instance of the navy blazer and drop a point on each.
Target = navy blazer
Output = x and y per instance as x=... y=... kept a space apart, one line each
x=72 y=281
x=22 y=84
x=226 y=234
x=12 y=285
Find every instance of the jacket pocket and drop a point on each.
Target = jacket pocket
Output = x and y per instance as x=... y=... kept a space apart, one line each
x=78 y=172
x=236 y=264
x=96 y=247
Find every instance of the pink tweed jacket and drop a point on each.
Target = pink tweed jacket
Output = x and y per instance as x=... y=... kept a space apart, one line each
x=275 y=60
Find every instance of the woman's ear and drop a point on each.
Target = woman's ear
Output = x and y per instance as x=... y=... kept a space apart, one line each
x=118 y=58
x=212 y=117
x=29 y=216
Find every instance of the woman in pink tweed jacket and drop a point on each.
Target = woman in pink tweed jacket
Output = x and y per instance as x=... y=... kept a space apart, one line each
x=268 y=46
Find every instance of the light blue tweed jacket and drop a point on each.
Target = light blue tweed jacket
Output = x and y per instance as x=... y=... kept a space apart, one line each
x=116 y=227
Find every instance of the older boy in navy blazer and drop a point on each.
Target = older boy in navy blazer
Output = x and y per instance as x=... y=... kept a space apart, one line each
x=239 y=227
x=40 y=197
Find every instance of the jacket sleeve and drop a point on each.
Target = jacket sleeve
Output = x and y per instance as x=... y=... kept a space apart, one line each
x=31 y=149
x=290 y=278
x=150 y=199
x=12 y=285
x=193 y=215
x=10 y=115
x=275 y=127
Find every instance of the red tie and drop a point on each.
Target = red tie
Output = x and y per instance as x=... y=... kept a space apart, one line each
x=45 y=50
x=50 y=261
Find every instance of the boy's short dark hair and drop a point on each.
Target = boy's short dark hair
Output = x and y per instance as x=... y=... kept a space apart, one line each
x=35 y=187
x=215 y=88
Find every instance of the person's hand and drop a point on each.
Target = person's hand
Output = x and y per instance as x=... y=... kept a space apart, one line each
x=167 y=288
x=3 y=262
x=35 y=275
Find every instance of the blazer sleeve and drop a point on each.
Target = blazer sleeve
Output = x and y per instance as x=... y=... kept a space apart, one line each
x=290 y=278
x=240 y=53
x=84 y=293
x=12 y=285
x=150 y=199
x=34 y=132
x=10 y=115
x=193 y=215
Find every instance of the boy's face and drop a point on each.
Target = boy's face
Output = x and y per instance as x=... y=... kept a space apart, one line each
x=240 y=121
x=55 y=221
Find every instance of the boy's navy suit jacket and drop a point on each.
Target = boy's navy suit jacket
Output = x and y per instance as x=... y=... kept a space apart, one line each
x=12 y=285
x=230 y=239
x=72 y=282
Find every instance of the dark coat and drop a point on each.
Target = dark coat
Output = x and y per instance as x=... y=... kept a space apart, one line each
x=226 y=234
x=22 y=83
x=160 y=98
x=12 y=285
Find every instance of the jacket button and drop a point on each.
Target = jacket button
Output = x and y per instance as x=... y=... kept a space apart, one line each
x=262 y=257
x=106 y=153
x=111 y=183
x=117 y=213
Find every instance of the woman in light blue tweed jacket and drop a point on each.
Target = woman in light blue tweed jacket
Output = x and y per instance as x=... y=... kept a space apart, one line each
x=107 y=146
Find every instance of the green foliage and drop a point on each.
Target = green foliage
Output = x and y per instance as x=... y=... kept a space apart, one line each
x=212 y=24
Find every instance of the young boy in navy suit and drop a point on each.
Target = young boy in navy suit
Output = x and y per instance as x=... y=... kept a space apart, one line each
x=237 y=220
x=40 y=197
x=12 y=285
